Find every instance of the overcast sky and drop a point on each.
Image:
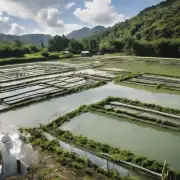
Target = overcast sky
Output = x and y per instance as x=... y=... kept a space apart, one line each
x=63 y=16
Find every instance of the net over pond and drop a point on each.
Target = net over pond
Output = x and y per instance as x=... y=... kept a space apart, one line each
x=141 y=139
x=46 y=110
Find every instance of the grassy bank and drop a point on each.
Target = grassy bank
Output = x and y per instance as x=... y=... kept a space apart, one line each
x=148 y=88
x=136 y=65
x=139 y=118
x=138 y=103
x=68 y=159
x=116 y=155
x=36 y=57
x=22 y=60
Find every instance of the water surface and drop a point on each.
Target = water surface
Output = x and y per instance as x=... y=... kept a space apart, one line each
x=50 y=109
x=144 y=140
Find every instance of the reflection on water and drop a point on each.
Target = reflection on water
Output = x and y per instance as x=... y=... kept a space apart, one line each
x=145 y=140
x=40 y=112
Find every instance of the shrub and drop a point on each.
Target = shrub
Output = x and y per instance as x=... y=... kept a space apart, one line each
x=45 y=54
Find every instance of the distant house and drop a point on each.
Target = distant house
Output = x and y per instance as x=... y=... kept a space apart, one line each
x=86 y=54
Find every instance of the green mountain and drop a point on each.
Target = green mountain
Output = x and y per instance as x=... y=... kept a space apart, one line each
x=159 y=21
x=27 y=39
x=85 y=32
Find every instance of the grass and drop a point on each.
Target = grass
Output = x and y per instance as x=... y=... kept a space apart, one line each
x=67 y=159
x=34 y=58
x=22 y=60
x=96 y=147
x=79 y=60
x=148 y=88
x=138 y=66
x=132 y=64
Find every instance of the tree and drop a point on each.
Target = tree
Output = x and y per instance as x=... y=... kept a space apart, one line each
x=42 y=45
x=111 y=45
x=75 y=46
x=18 y=43
x=58 y=43
x=85 y=44
x=93 y=45
x=33 y=48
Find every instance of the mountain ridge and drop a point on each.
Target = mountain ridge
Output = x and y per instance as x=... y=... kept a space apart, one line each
x=152 y=23
x=85 y=32
x=27 y=38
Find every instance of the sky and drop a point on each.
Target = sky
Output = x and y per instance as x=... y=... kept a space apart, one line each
x=18 y=17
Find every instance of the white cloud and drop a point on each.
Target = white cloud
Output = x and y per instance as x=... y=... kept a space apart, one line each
x=50 y=23
x=15 y=8
x=99 y=12
x=16 y=29
x=8 y=27
x=70 y=5
x=49 y=18
x=4 y=24
x=45 y=12
x=54 y=31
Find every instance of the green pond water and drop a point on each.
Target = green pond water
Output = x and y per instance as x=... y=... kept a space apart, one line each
x=48 y=110
x=141 y=139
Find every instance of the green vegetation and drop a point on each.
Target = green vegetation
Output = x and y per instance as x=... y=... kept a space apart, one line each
x=64 y=158
x=116 y=155
x=153 y=32
x=159 y=21
x=21 y=60
x=16 y=49
x=138 y=65
x=124 y=77
x=137 y=103
x=149 y=88
x=137 y=117
x=58 y=43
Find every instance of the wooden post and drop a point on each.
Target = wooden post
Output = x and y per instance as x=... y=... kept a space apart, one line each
x=164 y=175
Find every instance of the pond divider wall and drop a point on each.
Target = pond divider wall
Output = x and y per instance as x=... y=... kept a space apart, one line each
x=105 y=163
x=53 y=95
x=145 y=109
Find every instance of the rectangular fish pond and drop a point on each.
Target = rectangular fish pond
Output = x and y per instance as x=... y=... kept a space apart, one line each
x=48 y=110
x=140 y=138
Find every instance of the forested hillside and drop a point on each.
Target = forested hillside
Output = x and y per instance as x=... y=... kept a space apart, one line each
x=85 y=32
x=155 y=31
x=160 y=21
x=36 y=39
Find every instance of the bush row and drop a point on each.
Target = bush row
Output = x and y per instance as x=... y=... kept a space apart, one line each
x=136 y=117
x=137 y=103
x=22 y=60
x=116 y=154
x=126 y=77
x=65 y=158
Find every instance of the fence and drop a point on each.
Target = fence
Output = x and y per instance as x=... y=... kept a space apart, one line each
x=104 y=163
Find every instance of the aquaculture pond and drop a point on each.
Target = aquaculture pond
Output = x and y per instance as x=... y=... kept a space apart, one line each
x=45 y=110
x=144 y=140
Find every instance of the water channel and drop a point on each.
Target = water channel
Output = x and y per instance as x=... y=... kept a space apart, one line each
x=144 y=140
x=48 y=110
